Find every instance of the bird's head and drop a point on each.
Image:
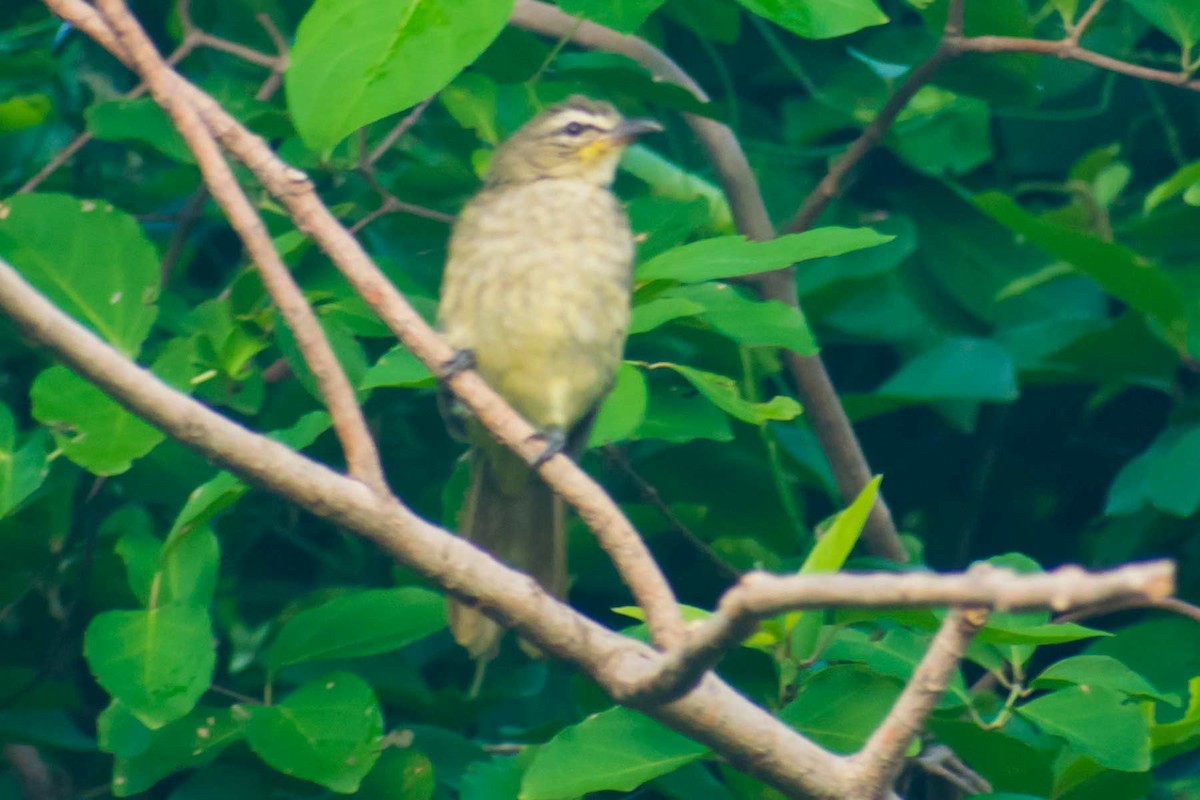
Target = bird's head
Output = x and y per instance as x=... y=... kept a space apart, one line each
x=578 y=138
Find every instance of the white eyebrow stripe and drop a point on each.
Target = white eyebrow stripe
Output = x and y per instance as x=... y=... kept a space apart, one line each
x=581 y=116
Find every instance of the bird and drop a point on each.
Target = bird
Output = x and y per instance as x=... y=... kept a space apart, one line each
x=536 y=297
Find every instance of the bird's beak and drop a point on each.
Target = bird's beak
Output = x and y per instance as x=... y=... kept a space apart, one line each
x=632 y=129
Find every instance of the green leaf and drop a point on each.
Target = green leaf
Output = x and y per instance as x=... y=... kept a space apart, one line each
x=328 y=731
x=1180 y=19
x=357 y=61
x=399 y=775
x=676 y=413
x=1159 y=476
x=1097 y=723
x=214 y=496
x=1118 y=270
x=182 y=570
x=90 y=427
x=830 y=552
x=623 y=409
x=397 y=367
x=1105 y=671
x=1012 y=631
x=828 y=555
x=1008 y=762
x=157 y=662
x=749 y=321
x=356 y=625
x=190 y=742
x=1168 y=739
x=92 y=260
x=723 y=393
x=24 y=111
x=345 y=347
x=659 y=311
x=732 y=256
x=618 y=749
x=977 y=370
x=624 y=15
x=818 y=19
x=497 y=779
x=140 y=120
x=896 y=655
x=838 y=707
x=23 y=466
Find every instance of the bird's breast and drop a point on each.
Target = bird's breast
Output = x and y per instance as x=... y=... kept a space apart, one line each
x=537 y=286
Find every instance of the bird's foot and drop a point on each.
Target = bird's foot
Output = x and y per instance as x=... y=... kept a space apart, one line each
x=556 y=442
x=461 y=361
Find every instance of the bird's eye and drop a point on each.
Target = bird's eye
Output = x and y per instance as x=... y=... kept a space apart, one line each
x=574 y=128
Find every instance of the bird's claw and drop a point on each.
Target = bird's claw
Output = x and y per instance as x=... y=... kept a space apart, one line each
x=461 y=361
x=556 y=442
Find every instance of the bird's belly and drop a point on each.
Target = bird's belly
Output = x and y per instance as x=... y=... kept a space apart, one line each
x=551 y=346
x=537 y=287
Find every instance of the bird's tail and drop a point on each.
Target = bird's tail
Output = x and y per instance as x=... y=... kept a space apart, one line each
x=513 y=515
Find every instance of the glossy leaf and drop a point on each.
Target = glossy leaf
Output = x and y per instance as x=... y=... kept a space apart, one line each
x=1180 y=19
x=624 y=15
x=92 y=260
x=838 y=707
x=23 y=465
x=358 y=624
x=732 y=256
x=1117 y=269
x=1088 y=671
x=193 y=741
x=357 y=61
x=328 y=731
x=619 y=749
x=140 y=120
x=723 y=393
x=818 y=19
x=748 y=321
x=623 y=410
x=90 y=427
x=157 y=662
x=1096 y=722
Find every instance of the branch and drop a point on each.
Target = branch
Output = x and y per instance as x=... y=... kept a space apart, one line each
x=752 y=739
x=36 y=778
x=882 y=757
x=822 y=406
x=1071 y=51
x=362 y=458
x=293 y=188
x=760 y=595
x=711 y=712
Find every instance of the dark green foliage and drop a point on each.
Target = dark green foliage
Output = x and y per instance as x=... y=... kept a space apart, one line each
x=1008 y=297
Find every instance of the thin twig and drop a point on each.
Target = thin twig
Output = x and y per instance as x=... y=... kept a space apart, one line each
x=183 y=226
x=361 y=456
x=651 y=496
x=402 y=127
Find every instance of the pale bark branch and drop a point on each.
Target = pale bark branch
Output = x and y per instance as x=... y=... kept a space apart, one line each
x=882 y=757
x=759 y=595
x=362 y=458
x=712 y=712
x=822 y=406
x=292 y=187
